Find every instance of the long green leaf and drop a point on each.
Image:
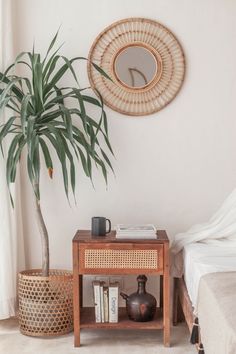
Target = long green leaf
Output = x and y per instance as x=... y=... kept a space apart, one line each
x=6 y=127
x=7 y=90
x=24 y=112
x=83 y=114
x=51 y=45
x=18 y=93
x=47 y=156
x=91 y=100
x=17 y=61
x=21 y=144
x=68 y=121
x=36 y=162
x=38 y=84
x=83 y=161
x=56 y=78
x=68 y=62
x=61 y=155
x=101 y=71
x=50 y=66
x=72 y=165
x=32 y=178
x=107 y=160
x=59 y=74
x=48 y=117
x=10 y=157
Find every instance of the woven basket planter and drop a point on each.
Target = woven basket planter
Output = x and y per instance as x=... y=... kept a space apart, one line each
x=45 y=303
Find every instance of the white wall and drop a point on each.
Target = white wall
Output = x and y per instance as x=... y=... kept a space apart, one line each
x=173 y=168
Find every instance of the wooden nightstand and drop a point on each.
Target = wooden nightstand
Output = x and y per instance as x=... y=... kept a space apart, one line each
x=108 y=255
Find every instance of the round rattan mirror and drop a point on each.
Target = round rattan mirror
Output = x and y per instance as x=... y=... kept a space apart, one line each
x=145 y=62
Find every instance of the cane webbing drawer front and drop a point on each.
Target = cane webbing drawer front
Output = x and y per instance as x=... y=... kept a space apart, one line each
x=143 y=259
x=124 y=258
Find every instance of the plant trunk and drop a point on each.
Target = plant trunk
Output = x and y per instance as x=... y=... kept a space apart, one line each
x=44 y=239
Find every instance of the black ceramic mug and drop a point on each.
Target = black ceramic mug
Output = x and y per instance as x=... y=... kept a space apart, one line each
x=99 y=226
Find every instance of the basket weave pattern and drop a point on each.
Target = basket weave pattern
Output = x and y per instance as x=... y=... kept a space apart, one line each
x=45 y=303
x=122 y=259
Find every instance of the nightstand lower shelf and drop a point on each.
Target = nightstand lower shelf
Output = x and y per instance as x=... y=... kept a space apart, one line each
x=88 y=321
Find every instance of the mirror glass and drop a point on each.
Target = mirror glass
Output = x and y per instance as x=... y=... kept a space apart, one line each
x=135 y=66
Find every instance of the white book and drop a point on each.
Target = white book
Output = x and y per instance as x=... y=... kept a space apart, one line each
x=102 y=283
x=138 y=231
x=141 y=232
x=113 y=302
x=130 y=227
x=136 y=236
x=106 y=303
x=97 y=301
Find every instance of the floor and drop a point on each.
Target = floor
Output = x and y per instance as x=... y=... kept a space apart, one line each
x=113 y=342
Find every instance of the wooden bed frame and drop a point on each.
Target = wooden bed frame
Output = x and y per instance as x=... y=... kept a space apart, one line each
x=182 y=307
x=183 y=310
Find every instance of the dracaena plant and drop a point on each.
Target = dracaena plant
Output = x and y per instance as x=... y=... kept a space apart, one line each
x=43 y=120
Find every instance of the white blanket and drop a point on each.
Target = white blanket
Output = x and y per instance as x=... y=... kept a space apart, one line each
x=220 y=228
x=201 y=259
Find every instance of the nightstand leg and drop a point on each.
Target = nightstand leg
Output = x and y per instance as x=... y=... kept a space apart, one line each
x=76 y=340
x=81 y=290
x=76 y=296
x=166 y=297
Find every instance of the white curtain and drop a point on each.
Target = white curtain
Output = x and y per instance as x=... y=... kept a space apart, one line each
x=11 y=240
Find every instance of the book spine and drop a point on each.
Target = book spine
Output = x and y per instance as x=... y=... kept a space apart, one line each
x=113 y=303
x=106 y=304
x=102 y=301
x=97 y=301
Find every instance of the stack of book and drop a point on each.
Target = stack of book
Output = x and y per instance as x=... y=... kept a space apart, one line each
x=146 y=231
x=105 y=301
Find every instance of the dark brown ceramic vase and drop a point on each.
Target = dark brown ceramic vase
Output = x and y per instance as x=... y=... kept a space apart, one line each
x=140 y=306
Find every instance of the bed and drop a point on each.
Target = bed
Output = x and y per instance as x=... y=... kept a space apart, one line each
x=207 y=293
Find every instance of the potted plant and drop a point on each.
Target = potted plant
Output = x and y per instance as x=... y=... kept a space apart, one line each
x=44 y=120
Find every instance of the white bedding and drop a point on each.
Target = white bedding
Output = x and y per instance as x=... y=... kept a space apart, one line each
x=201 y=258
x=220 y=228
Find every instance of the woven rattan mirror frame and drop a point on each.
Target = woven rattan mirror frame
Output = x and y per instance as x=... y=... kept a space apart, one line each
x=164 y=46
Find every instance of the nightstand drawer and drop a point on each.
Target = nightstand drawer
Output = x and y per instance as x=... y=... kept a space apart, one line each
x=120 y=258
